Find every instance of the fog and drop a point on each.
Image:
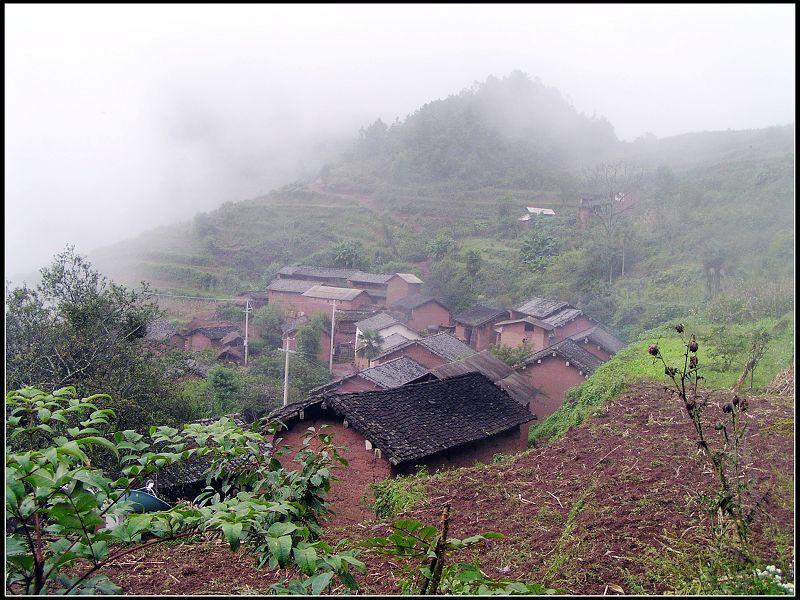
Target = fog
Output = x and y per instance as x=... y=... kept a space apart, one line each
x=122 y=118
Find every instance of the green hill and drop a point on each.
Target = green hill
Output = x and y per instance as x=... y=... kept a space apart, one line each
x=440 y=191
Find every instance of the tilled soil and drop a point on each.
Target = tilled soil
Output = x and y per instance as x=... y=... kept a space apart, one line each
x=579 y=513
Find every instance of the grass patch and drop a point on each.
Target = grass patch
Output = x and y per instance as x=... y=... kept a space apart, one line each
x=398 y=494
x=724 y=363
x=561 y=552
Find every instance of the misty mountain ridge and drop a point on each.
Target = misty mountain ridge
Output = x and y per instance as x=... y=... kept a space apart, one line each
x=444 y=168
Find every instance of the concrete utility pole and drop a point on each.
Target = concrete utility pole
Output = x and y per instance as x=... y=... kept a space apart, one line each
x=246 y=318
x=333 y=326
x=286 y=371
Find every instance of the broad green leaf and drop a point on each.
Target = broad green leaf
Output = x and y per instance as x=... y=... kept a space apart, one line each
x=320 y=582
x=280 y=529
x=233 y=533
x=306 y=559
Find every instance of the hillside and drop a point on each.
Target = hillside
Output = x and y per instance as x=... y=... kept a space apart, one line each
x=611 y=507
x=450 y=180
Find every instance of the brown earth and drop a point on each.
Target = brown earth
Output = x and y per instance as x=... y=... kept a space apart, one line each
x=582 y=513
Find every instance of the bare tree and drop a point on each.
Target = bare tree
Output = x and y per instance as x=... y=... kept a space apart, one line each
x=610 y=185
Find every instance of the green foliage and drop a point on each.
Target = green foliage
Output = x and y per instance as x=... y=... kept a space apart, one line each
x=57 y=534
x=632 y=364
x=511 y=356
x=225 y=386
x=267 y=321
x=420 y=547
x=304 y=375
x=78 y=329
x=350 y=255
x=443 y=244
x=398 y=494
x=370 y=343
x=308 y=343
x=538 y=246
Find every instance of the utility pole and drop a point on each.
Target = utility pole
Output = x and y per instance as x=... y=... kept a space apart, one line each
x=333 y=326
x=246 y=318
x=286 y=371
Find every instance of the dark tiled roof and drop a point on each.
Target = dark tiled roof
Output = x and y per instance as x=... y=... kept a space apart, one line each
x=417 y=420
x=602 y=337
x=446 y=346
x=231 y=337
x=160 y=330
x=495 y=369
x=212 y=330
x=571 y=351
x=393 y=342
x=320 y=272
x=394 y=373
x=479 y=314
x=377 y=322
x=562 y=317
x=296 y=286
x=531 y=320
x=413 y=301
x=362 y=277
x=540 y=308
x=328 y=292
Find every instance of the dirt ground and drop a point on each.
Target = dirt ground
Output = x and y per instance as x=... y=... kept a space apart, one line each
x=579 y=513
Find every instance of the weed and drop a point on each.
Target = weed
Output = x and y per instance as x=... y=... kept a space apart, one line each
x=398 y=494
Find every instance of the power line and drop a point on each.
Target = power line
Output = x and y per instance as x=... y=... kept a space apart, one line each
x=197 y=297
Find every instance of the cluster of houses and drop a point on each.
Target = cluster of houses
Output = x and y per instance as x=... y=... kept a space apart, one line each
x=224 y=337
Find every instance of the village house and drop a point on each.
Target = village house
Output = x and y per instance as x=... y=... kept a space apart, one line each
x=438 y=424
x=554 y=370
x=515 y=384
x=401 y=285
x=386 y=325
x=423 y=313
x=431 y=352
x=287 y=293
x=200 y=335
x=599 y=341
x=539 y=323
x=475 y=326
x=161 y=334
x=394 y=373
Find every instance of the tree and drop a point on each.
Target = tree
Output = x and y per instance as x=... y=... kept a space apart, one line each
x=609 y=183
x=226 y=387
x=58 y=536
x=443 y=244
x=537 y=247
x=349 y=255
x=308 y=342
x=267 y=320
x=78 y=329
x=474 y=263
x=370 y=344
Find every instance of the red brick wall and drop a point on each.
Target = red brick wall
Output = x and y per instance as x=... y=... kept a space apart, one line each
x=198 y=341
x=364 y=468
x=357 y=384
x=422 y=355
x=552 y=378
x=461 y=332
x=397 y=288
x=580 y=323
x=290 y=301
x=508 y=442
x=514 y=335
x=430 y=313
x=485 y=336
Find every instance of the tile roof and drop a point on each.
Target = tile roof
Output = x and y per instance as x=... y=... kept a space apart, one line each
x=531 y=320
x=479 y=314
x=446 y=346
x=516 y=385
x=562 y=317
x=413 y=301
x=332 y=293
x=213 y=330
x=571 y=351
x=231 y=337
x=377 y=322
x=540 y=308
x=417 y=420
x=160 y=330
x=602 y=337
x=297 y=286
x=362 y=277
x=393 y=342
x=394 y=373
x=408 y=277
x=320 y=272
x=540 y=211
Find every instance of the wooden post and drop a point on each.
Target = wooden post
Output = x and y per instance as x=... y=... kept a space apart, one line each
x=437 y=562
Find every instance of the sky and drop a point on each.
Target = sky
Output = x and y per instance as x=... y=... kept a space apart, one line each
x=121 y=118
